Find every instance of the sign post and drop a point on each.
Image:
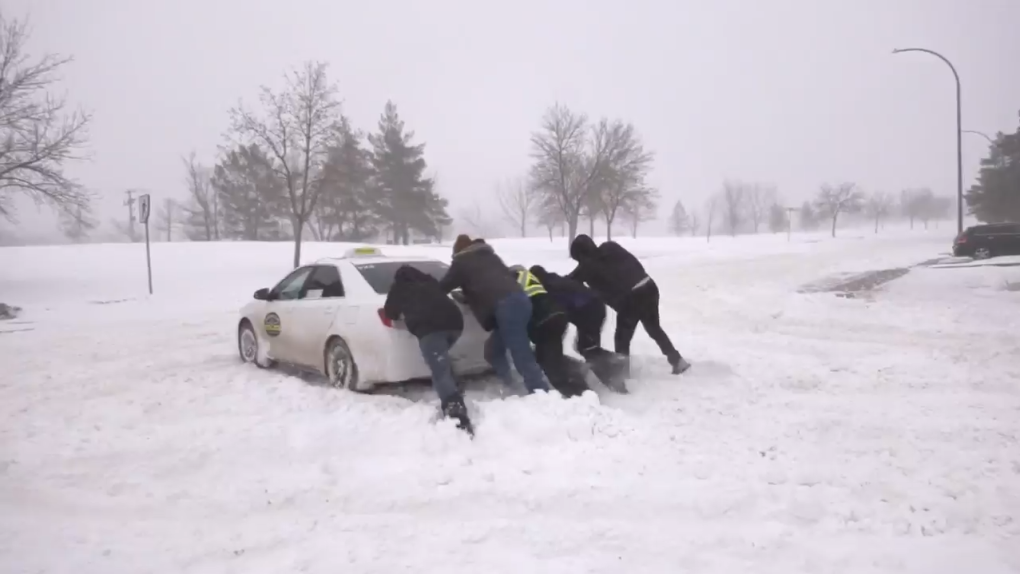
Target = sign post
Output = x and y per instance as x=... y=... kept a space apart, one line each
x=789 y=221
x=144 y=207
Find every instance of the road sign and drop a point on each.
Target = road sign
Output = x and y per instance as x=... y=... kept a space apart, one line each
x=143 y=208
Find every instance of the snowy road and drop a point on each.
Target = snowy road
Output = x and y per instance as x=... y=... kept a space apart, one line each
x=814 y=434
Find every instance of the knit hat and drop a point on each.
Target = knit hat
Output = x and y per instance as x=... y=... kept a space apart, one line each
x=461 y=242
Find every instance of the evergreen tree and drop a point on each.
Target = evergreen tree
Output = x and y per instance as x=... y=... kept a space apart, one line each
x=348 y=204
x=251 y=198
x=995 y=198
x=679 y=223
x=406 y=198
x=809 y=219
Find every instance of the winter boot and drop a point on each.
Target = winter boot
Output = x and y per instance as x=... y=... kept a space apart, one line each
x=679 y=364
x=457 y=410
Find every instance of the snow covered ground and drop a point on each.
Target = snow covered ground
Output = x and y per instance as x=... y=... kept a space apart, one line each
x=814 y=433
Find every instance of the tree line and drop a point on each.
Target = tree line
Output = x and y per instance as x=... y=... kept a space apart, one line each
x=741 y=207
x=296 y=163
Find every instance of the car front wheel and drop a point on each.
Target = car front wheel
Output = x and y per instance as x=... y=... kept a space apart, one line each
x=248 y=346
x=341 y=370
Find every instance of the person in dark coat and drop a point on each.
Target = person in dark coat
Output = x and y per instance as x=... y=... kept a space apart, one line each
x=621 y=281
x=546 y=328
x=587 y=312
x=499 y=304
x=416 y=298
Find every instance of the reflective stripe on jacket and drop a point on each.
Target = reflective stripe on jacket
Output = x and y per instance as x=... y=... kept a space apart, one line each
x=531 y=285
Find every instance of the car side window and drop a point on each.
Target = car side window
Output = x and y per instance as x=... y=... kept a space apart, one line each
x=291 y=286
x=324 y=283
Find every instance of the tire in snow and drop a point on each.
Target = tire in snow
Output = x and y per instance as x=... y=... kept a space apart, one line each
x=340 y=368
x=248 y=346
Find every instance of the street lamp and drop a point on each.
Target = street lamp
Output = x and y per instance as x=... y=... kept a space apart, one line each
x=959 y=133
x=982 y=134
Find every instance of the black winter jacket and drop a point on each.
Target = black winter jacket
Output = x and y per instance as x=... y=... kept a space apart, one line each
x=609 y=269
x=568 y=293
x=483 y=278
x=425 y=308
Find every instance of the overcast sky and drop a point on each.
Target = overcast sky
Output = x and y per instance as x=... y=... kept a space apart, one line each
x=793 y=92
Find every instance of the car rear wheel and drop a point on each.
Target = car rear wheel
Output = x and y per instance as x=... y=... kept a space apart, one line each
x=341 y=370
x=248 y=345
x=982 y=253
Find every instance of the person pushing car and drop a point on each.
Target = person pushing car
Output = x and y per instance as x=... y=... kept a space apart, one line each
x=499 y=304
x=436 y=321
x=620 y=279
x=587 y=312
x=546 y=329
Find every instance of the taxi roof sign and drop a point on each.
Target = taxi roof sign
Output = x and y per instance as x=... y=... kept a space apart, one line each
x=363 y=252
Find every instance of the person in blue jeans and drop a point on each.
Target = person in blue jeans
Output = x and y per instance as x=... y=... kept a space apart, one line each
x=499 y=304
x=430 y=315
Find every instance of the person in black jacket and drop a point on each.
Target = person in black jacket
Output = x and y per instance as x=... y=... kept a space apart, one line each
x=432 y=317
x=499 y=304
x=586 y=311
x=546 y=328
x=620 y=279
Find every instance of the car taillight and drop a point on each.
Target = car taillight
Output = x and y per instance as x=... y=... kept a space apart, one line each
x=961 y=239
x=385 y=320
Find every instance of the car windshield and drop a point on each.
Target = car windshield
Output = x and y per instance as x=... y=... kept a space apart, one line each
x=380 y=275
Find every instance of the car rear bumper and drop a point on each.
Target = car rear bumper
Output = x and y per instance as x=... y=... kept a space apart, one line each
x=393 y=355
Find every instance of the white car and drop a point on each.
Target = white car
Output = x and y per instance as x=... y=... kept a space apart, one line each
x=328 y=317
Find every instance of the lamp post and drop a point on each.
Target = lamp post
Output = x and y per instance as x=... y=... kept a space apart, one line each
x=959 y=133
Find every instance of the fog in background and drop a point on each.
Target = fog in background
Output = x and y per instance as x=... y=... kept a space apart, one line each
x=795 y=93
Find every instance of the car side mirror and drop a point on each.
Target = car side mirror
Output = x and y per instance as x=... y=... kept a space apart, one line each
x=262 y=294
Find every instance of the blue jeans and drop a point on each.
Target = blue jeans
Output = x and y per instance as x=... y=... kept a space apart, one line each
x=435 y=349
x=512 y=315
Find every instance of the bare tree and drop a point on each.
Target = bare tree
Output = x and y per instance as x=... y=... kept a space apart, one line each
x=517 y=200
x=568 y=159
x=834 y=200
x=76 y=225
x=759 y=199
x=636 y=212
x=712 y=206
x=878 y=206
x=940 y=209
x=298 y=128
x=549 y=217
x=473 y=220
x=626 y=167
x=37 y=133
x=733 y=204
x=203 y=202
x=165 y=218
x=914 y=202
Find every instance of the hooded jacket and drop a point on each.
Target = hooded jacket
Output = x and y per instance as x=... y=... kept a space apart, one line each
x=569 y=294
x=483 y=278
x=609 y=269
x=425 y=308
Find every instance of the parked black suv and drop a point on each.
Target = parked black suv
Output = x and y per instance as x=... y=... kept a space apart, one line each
x=991 y=240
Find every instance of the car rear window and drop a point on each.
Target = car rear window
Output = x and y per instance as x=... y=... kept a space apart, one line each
x=380 y=275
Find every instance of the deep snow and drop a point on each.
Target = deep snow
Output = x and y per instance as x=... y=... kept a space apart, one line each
x=814 y=433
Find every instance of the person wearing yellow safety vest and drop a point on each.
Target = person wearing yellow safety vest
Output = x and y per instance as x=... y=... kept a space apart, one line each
x=546 y=328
